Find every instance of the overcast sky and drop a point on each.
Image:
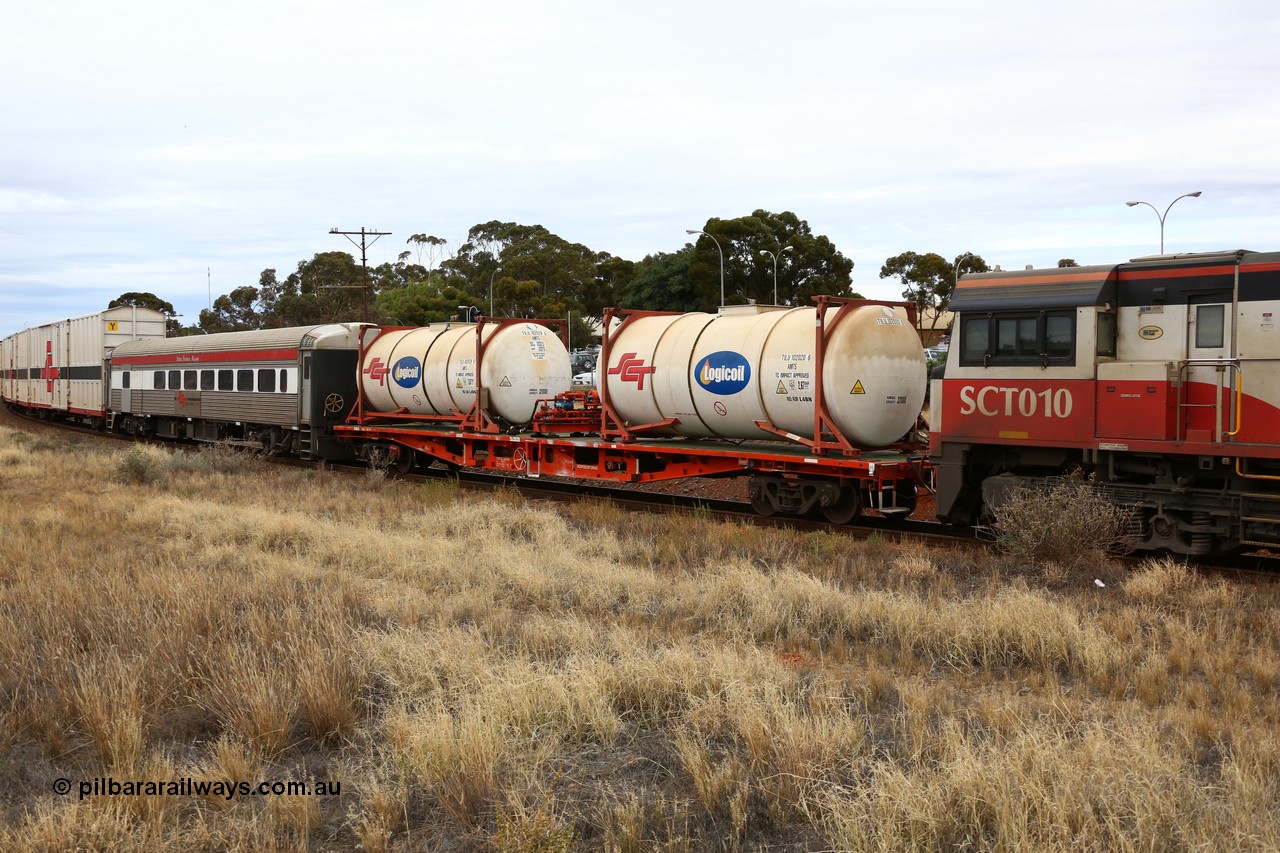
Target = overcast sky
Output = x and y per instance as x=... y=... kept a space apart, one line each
x=180 y=148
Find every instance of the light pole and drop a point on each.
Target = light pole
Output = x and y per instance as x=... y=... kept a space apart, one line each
x=1161 y=216
x=491 y=275
x=956 y=282
x=718 y=249
x=775 y=268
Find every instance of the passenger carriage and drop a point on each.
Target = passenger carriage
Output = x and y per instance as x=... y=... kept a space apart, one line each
x=278 y=389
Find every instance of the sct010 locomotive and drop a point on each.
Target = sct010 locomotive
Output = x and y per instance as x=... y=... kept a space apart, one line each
x=1160 y=377
x=1157 y=377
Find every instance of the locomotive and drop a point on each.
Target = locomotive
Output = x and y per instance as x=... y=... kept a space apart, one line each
x=1157 y=378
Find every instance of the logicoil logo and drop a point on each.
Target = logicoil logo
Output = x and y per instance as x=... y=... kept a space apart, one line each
x=723 y=373
x=406 y=372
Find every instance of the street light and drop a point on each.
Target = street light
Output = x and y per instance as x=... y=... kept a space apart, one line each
x=491 y=275
x=718 y=249
x=956 y=282
x=775 y=268
x=1195 y=194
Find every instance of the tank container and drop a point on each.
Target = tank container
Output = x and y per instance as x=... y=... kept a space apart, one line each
x=719 y=374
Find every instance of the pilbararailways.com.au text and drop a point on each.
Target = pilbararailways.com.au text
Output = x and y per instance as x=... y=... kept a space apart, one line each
x=188 y=787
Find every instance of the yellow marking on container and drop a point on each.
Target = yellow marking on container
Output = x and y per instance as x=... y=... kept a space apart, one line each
x=1009 y=433
x=857 y=388
x=782 y=389
x=113 y=326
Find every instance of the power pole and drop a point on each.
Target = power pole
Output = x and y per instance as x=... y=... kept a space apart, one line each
x=364 y=245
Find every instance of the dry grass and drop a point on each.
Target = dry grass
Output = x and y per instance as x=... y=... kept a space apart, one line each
x=484 y=674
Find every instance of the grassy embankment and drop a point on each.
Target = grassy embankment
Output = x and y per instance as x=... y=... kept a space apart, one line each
x=482 y=673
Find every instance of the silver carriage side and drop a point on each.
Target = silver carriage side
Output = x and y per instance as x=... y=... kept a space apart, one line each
x=280 y=390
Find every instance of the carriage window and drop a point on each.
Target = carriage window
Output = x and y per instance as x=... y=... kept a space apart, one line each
x=175 y=380
x=189 y=381
x=225 y=380
x=157 y=380
x=1209 y=326
x=244 y=380
x=266 y=380
x=206 y=380
x=284 y=381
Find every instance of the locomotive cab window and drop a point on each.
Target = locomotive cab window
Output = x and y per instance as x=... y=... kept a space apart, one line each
x=1025 y=337
x=1210 y=321
x=1106 y=334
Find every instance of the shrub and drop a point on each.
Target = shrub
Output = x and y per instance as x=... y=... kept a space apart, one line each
x=141 y=465
x=1062 y=520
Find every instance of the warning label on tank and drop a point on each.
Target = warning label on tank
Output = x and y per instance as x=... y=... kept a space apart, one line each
x=505 y=383
x=857 y=388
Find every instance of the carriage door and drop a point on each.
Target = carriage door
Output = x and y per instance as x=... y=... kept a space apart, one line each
x=1210 y=373
x=305 y=388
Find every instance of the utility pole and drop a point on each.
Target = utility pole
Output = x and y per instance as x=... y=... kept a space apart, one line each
x=364 y=245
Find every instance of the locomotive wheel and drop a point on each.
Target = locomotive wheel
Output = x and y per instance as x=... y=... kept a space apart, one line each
x=334 y=403
x=846 y=508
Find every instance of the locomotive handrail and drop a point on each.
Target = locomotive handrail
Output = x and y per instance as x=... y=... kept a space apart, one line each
x=1239 y=401
x=1223 y=365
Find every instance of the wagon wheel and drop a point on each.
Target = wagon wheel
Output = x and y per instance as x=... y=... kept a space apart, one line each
x=334 y=403
x=846 y=507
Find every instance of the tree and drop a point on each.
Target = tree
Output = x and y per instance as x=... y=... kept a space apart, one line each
x=434 y=247
x=812 y=267
x=237 y=311
x=138 y=299
x=432 y=300
x=661 y=283
x=1067 y=262
x=929 y=280
x=544 y=274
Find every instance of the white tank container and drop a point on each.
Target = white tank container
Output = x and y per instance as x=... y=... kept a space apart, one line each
x=432 y=370
x=719 y=374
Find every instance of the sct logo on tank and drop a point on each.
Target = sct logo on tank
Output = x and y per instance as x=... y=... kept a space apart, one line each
x=723 y=373
x=407 y=372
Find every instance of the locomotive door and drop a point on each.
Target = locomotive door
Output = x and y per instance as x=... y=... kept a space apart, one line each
x=1209 y=373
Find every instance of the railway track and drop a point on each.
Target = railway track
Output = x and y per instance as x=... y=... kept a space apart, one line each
x=1247 y=568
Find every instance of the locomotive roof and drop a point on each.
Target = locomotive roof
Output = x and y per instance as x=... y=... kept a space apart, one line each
x=1071 y=287
x=328 y=336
